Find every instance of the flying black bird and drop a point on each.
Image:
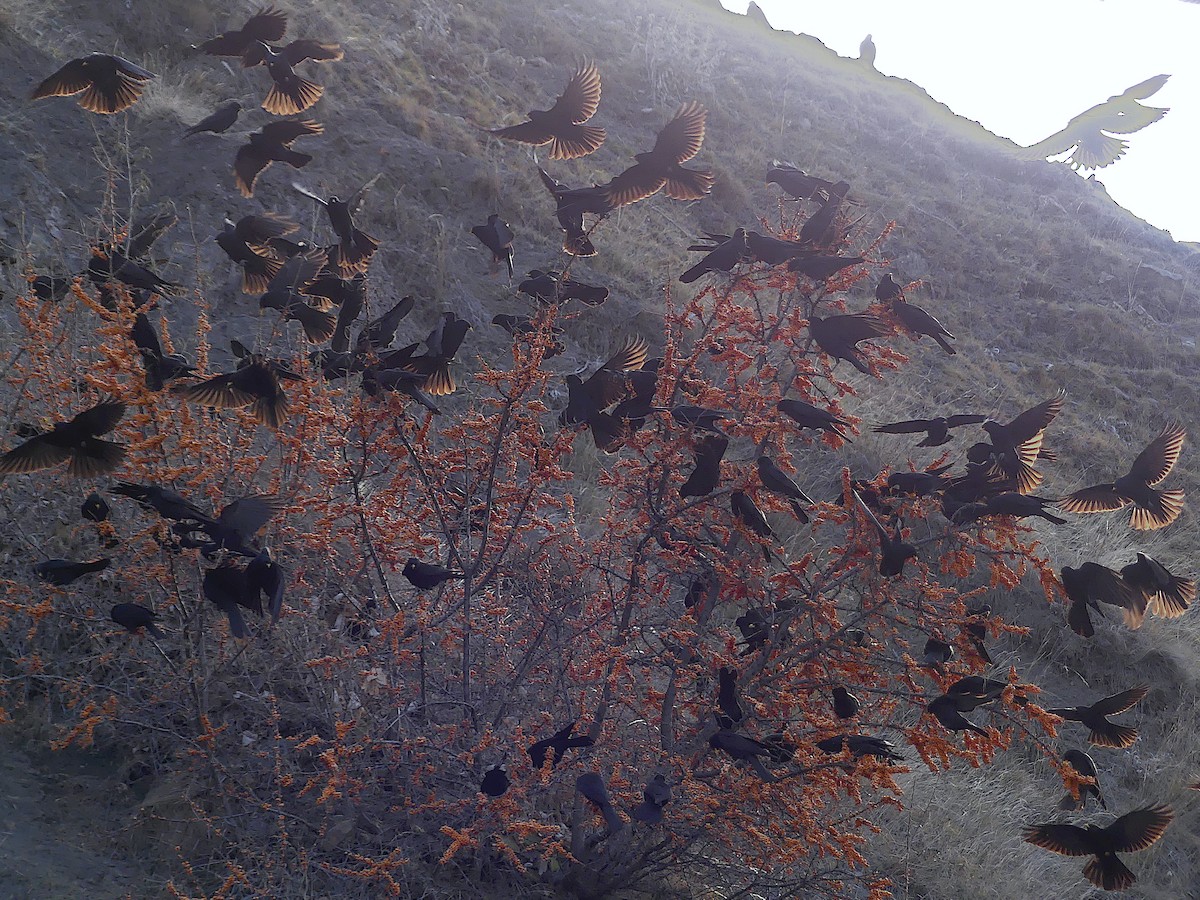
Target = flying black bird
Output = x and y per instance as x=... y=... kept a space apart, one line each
x=797 y=184
x=861 y=745
x=425 y=576
x=721 y=256
x=109 y=83
x=571 y=205
x=554 y=287
x=937 y=430
x=1103 y=732
x=839 y=336
x=378 y=334
x=655 y=795
x=133 y=616
x=606 y=386
x=708 y=452
x=559 y=742
x=246 y=242
x=61 y=572
x=777 y=481
x=235 y=526
x=218 y=121
x=495 y=782
x=160 y=367
x=730 y=715
x=1134 y=831
x=945 y=710
x=893 y=552
x=1167 y=595
x=498 y=237
x=1151 y=508
x=290 y=94
x=441 y=346
x=866 y=52
x=285 y=293
x=255 y=383
x=591 y=787
x=268 y=24
x=272 y=143
x=562 y=125
x=845 y=704
x=78 y=441
x=747 y=512
x=1089 y=136
x=1085 y=766
x=167 y=503
x=920 y=322
x=1015 y=446
x=806 y=415
x=1092 y=584
x=354 y=249
x=94 y=508
x=679 y=141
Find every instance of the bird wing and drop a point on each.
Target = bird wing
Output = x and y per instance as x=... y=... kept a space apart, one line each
x=609 y=384
x=247 y=164
x=72 y=78
x=1143 y=89
x=36 y=453
x=297 y=186
x=682 y=137
x=143 y=237
x=219 y=391
x=1118 y=703
x=1035 y=419
x=287 y=131
x=1155 y=462
x=1132 y=117
x=855 y=327
x=249 y=514
x=144 y=335
x=688 y=184
x=909 y=426
x=636 y=183
x=318 y=51
x=525 y=132
x=1139 y=829
x=298 y=271
x=960 y=420
x=101 y=418
x=355 y=203
x=1070 y=840
x=552 y=186
x=1097 y=498
x=1107 y=586
x=578 y=102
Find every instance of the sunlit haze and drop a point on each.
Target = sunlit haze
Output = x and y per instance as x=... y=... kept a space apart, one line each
x=1023 y=68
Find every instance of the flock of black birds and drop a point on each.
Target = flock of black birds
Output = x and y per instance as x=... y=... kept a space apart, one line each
x=323 y=288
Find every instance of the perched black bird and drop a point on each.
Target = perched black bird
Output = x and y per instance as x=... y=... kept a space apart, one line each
x=821 y=267
x=571 y=205
x=255 y=383
x=743 y=749
x=777 y=481
x=77 y=441
x=797 y=184
x=109 y=84
x=562 y=125
x=160 y=367
x=495 y=781
x=861 y=745
x=61 y=572
x=424 y=576
x=272 y=143
x=920 y=322
x=498 y=237
x=937 y=653
x=218 y=121
x=591 y=787
x=708 y=451
x=559 y=742
x=265 y=575
x=746 y=511
x=839 y=336
x=354 y=249
x=937 y=430
x=1085 y=766
x=268 y=24
x=845 y=704
x=552 y=287
x=918 y=484
x=133 y=616
x=808 y=416
x=1092 y=584
x=51 y=287
x=945 y=709
x=1133 y=831
x=655 y=795
x=1167 y=595
x=290 y=94
x=678 y=142
x=225 y=587
x=973 y=691
x=285 y=292
x=1103 y=732
x=1015 y=446
x=721 y=256
x=109 y=263
x=247 y=243
x=893 y=552
x=1011 y=503
x=819 y=231
x=94 y=508
x=730 y=715
x=889 y=290
x=755 y=627
x=1151 y=508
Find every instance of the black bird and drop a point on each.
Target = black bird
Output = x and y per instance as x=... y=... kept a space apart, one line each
x=937 y=653
x=1151 y=508
x=525 y=326
x=919 y=484
x=1134 y=831
x=77 y=441
x=133 y=616
x=755 y=627
x=845 y=704
x=839 y=336
x=225 y=587
x=290 y=94
x=218 y=121
x=495 y=781
x=747 y=512
x=591 y=787
x=708 y=452
x=268 y=24
x=51 y=287
x=441 y=346
x=1085 y=766
x=378 y=334
x=861 y=745
x=1016 y=446
x=109 y=263
x=777 y=481
x=559 y=742
x=109 y=84
x=1089 y=135
x=819 y=267
x=498 y=237
x=678 y=142
x=973 y=691
x=1103 y=732
x=945 y=710
x=893 y=552
x=265 y=575
x=272 y=143
x=808 y=416
x=797 y=184
x=552 y=287
x=743 y=749
x=606 y=386
x=920 y=322
x=562 y=125
x=1167 y=595
x=160 y=367
x=719 y=257
x=285 y=292
x=425 y=576
x=255 y=383
x=1092 y=584
x=62 y=572
x=655 y=795
x=235 y=527
x=819 y=231
x=1011 y=503
x=247 y=243
x=167 y=503
x=94 y=508
x=571 y=205
x=354 y=249
x=889 y=290
x=730 y=715
x=937 y=430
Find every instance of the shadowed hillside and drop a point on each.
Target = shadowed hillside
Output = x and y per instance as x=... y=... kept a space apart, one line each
x=1046 y=282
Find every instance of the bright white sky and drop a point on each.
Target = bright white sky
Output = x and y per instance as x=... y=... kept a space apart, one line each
x=1023 y=68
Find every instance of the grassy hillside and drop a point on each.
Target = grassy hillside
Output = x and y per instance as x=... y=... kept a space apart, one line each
x=1047 y=283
